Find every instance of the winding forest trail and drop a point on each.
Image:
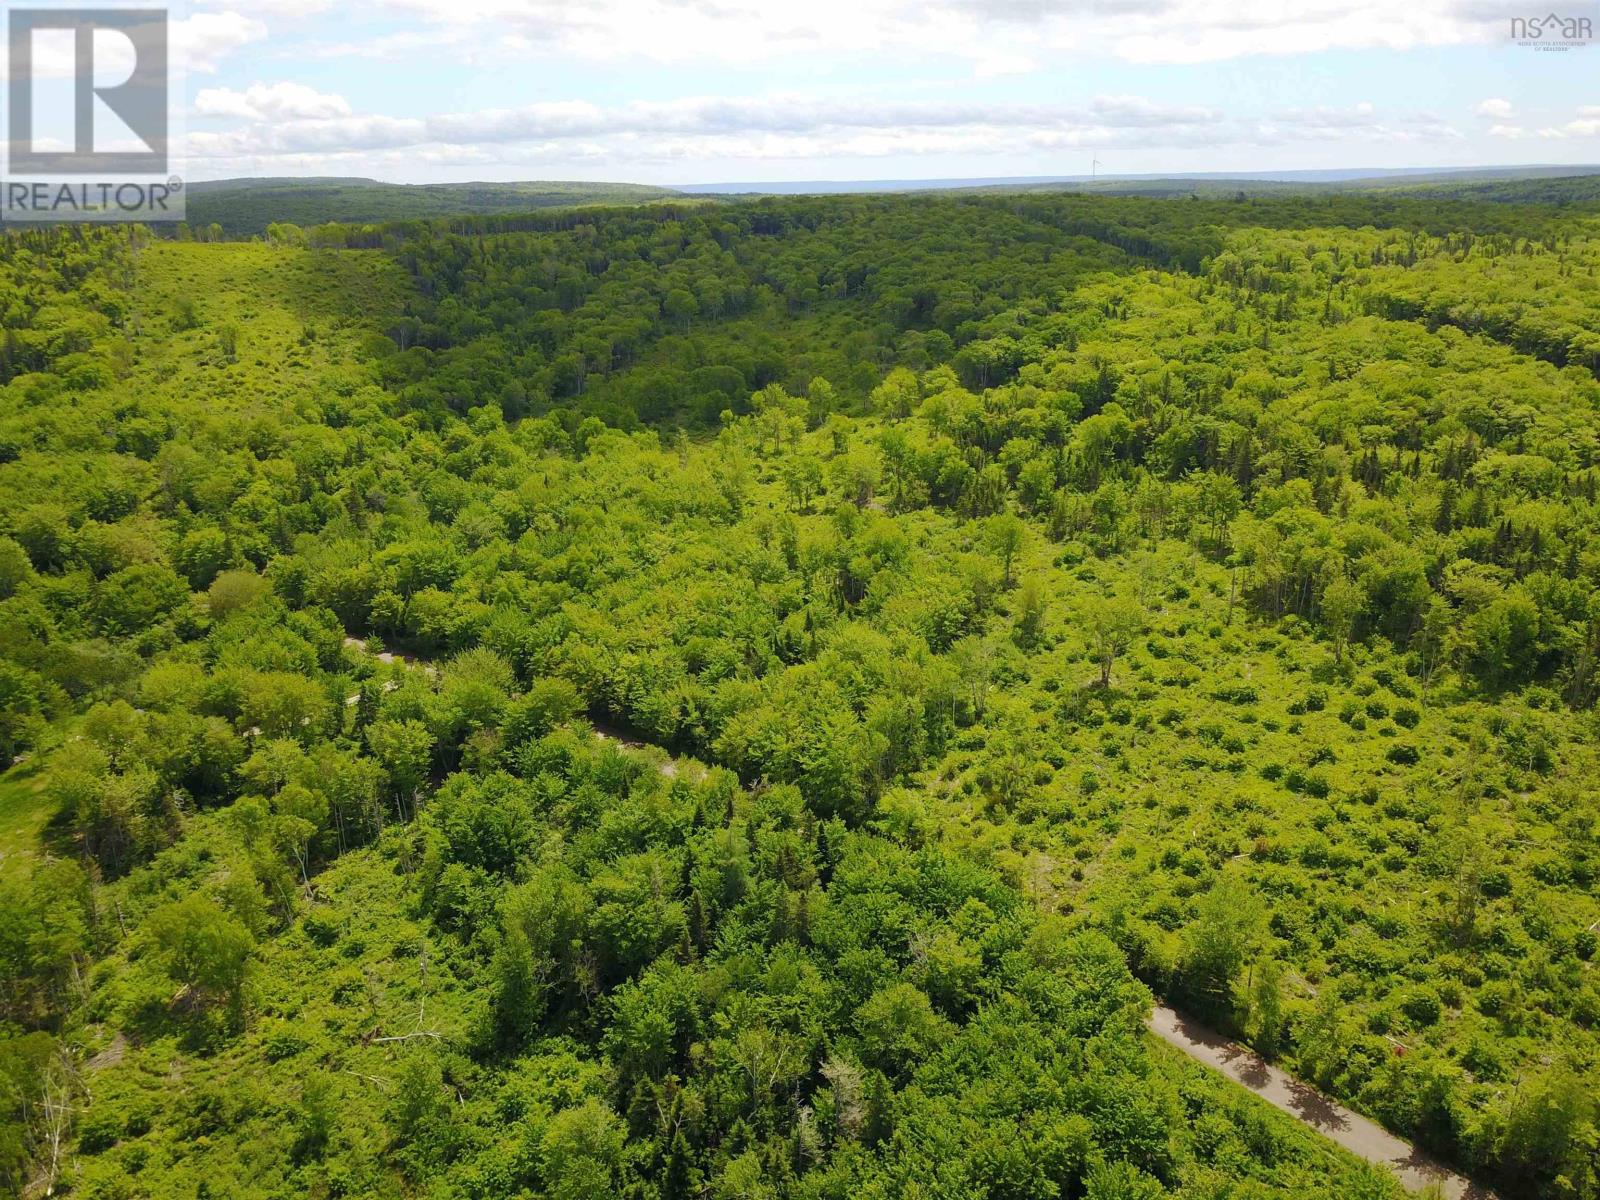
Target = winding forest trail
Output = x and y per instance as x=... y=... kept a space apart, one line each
x=1365 y=1139
x=1355 y=1133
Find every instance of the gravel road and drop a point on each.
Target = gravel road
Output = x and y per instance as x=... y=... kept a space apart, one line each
x=1305 y=1104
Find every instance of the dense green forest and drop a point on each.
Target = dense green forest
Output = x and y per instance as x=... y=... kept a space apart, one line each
x=756 y=700
x=1577 y=190
x=235 y=208
x=245 y=207
x=1530 y=185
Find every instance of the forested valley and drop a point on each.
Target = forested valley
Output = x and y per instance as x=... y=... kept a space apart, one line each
x=759 y=699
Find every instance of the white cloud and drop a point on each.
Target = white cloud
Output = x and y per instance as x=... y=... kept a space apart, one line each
x=271 y=102
x=1359 y=124
x=704 y=118
x=1585 y=125
x=988 y=33
x=332 y=136
x=198 y=43
x=201 y=41
x=793 y=114
x=1353 y=117
x=1136 y=110
x=293 y=9
x=285 y=127
x=778 y=128
x=454 y=44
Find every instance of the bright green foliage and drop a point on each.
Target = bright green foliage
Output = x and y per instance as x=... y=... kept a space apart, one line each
x=278 y=208
x=805 y=802
x=204 y=948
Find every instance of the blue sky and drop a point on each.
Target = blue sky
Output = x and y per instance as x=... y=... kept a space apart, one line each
x=687 y=91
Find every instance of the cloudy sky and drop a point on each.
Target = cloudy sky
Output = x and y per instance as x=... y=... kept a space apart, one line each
x=685 y=91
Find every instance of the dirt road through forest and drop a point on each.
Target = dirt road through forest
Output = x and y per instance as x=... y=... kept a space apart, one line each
x=1355 y=1133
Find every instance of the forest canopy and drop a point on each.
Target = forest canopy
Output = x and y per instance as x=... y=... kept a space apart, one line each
x=760 y=699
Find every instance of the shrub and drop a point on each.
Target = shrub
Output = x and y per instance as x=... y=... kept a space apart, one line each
x=99 y=1130
x=1421 y=1007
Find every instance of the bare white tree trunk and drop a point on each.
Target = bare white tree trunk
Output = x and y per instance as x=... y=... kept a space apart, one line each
x=52 y=1125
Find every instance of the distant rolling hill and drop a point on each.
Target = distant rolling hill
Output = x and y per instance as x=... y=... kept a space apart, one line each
x=245 y=207
x=1203 y=183
x=1565 y=190
x=1559 y=185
